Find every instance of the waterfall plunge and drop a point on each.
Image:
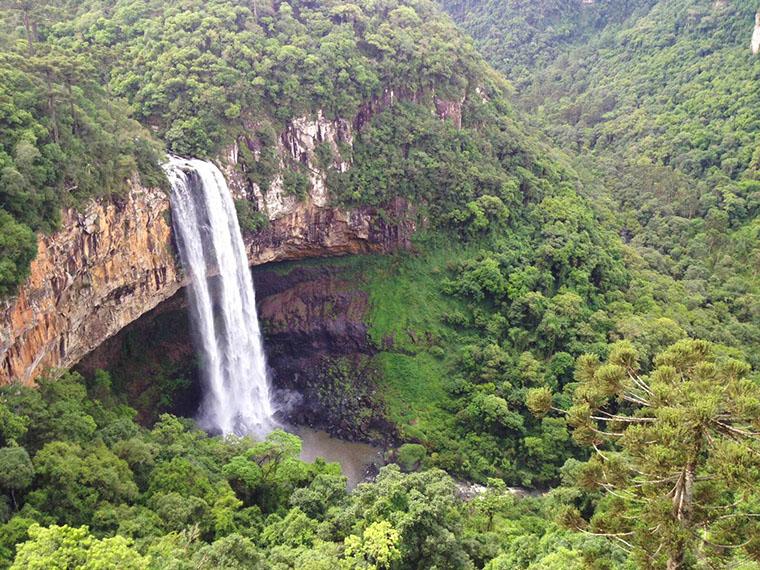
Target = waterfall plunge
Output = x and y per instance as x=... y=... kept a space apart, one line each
x=236 y=399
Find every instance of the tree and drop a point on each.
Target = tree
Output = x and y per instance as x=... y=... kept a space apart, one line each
x=494 y=499
x=323 y=492
x=27 y=9
x=410 y=456
x=376 y=549
x=233 y=552
x=677 y=452
x=16 y=470
x=423 y=508
x=18 y=247
x=72 y=481
x=70 y=548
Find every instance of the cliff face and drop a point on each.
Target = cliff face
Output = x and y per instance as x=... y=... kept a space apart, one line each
x=320 y=352
x=114 y=261
x=107 y=265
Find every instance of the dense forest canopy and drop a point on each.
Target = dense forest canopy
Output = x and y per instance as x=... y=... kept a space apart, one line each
x=658 y=105
x=586 y=281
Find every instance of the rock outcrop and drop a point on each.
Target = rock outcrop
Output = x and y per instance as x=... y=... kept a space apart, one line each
x=109 y=264
x=320 y=352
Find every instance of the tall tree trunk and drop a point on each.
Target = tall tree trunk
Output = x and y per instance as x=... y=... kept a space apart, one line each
x=29 y=33
x=683 y=499
x=51 y=107
x=74 y=123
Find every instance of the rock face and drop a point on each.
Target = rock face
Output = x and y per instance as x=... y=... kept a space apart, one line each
x=320 y=353
x=115 y=260
x=756 y=36
x=107 y=266
x=318 y=350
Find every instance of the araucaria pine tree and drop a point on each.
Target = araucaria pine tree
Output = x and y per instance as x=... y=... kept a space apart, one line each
x=677 y=454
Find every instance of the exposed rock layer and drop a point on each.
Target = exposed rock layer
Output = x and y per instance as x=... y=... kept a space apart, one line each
x=115 y=260
x=107 y=266
x=319 y=349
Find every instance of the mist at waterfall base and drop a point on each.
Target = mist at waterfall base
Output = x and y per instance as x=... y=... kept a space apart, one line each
x=237 y=396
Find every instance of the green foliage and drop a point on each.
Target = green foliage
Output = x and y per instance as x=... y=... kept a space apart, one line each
x=63 y=140
x=249 y=219
x=475 y=330
x=376 y=548
x=16 y=469
x=521 y=37
x=296 y=183
x=463 y=177
x=202 y=75
x=18 y=247
x=173 y=497
x=677 y=449
x=67 y=548
x=655 y=101
x=198 y=71
x=410 y=456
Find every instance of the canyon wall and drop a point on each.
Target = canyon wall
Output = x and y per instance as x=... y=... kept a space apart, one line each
x=319 y=353
x=107 y=265
x=114 y=260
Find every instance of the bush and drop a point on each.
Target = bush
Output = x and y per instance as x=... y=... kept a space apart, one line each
x=250 y=220
x=18 y=247
x=410 y=456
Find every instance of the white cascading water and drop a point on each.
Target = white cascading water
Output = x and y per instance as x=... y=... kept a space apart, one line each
x=237 y=398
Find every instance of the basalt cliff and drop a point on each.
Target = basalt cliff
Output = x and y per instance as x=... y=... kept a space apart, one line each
x=115 y=260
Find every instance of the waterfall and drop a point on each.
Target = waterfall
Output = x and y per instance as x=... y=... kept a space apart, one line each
x=236 y=397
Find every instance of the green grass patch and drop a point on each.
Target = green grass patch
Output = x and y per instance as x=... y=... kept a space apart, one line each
x=415 y=393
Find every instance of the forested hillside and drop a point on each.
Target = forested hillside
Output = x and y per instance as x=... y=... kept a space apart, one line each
x=659 y=109
x=579 y=314
x=656 y=104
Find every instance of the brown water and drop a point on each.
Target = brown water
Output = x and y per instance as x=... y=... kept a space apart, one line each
x=354 y=458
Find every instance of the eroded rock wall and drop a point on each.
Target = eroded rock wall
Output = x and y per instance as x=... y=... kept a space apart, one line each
x=109 y=264
x=115 y=260
x=320 y=352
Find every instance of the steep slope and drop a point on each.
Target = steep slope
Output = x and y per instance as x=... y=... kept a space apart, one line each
x=341 y=128
x=658 y=102
x=281 y=145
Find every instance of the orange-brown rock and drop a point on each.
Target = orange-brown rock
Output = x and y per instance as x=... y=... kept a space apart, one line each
x=108 y=265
